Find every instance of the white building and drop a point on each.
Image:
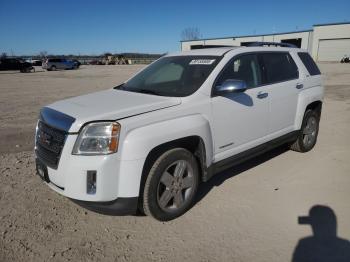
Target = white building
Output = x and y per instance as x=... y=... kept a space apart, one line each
x=325 y=42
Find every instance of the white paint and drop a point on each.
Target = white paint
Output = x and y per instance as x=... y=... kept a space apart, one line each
x=218 y=121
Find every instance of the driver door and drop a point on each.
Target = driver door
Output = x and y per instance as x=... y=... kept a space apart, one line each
x=240 y=119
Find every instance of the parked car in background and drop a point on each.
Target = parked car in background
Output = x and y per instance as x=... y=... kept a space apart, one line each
x=53 y=64
x=77 y=63
x=37 y=62
x=34 y=62
x=15 y=64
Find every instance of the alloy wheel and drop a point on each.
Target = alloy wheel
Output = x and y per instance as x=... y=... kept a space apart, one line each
x=310 y=131
x=175 y=186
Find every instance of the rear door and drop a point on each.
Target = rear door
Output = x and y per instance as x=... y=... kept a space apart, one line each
x=283 y=85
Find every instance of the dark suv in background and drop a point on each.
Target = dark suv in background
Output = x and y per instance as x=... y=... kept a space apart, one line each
x=15 y=64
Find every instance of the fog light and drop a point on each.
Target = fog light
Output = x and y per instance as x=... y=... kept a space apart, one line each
x=91 y=182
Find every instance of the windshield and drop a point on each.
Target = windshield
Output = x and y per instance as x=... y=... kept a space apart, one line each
x=175 y=76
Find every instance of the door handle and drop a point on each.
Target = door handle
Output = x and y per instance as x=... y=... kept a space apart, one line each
x=299 y=86
x=262 y=95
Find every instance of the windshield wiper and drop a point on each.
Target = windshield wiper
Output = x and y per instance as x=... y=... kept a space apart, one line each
x=146 y=91
x=120 y=87
x=143 y=91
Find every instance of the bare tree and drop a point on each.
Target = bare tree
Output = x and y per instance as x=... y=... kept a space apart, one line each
x=43 y=54
x=4 y=55
x=190 y=33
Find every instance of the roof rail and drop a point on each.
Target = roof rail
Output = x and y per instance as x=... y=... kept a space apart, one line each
x=272 y=44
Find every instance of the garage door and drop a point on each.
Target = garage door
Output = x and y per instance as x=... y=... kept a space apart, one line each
x=333 y=50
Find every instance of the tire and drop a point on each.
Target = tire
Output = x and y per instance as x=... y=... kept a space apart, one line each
x=307 y=137
x=53 y=68
x=171 y=185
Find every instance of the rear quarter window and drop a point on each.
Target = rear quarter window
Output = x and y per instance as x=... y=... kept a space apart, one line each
x=309 y=63
x=279 y=67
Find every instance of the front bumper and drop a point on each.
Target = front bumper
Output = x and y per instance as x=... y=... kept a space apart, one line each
x=118 y=207
x=115 y=178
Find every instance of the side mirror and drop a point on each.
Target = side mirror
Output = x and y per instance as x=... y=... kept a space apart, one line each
x=231 y=86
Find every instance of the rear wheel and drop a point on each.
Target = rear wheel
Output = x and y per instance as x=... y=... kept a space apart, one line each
x=171 y=185
x=53 y=68
x=308 y=134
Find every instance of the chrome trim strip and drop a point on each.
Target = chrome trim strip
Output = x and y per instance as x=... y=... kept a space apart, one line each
x=56 y=119
x=230 y=144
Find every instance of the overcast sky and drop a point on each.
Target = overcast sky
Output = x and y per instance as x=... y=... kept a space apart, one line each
x=94 y=27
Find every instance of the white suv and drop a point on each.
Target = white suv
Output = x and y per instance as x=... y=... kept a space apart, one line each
x=148 y=143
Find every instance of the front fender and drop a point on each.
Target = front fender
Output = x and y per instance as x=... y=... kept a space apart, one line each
x=140 y=141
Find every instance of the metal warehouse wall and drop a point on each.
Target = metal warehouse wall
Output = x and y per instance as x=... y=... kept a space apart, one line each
x=331 y=42
x=326 y=42
x=236 y=41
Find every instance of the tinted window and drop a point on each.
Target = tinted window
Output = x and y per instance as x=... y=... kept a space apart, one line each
x=309 y=64
x=279 y=67
x=13 y=61
x=54 y=60
x=245 y=68
x=170 y=72
x=173 y=76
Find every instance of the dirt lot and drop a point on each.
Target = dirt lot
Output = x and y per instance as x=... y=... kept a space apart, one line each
x=248 y=213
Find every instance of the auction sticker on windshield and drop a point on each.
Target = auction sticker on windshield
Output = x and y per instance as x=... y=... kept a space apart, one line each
x=202 y=61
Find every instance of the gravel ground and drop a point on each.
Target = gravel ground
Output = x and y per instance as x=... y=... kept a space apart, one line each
x=247 y=213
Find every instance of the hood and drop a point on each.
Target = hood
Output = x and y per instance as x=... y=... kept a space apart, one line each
x=110 y=105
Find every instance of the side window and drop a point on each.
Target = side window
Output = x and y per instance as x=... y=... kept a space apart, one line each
x=168 y=73
x=279 y=67
x=309 y=63
x=245 y=67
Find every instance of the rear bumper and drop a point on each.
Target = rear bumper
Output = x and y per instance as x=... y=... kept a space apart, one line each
x=118 y=207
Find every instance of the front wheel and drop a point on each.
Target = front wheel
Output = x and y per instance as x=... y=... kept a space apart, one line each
x=309 y=131
x=171 y=185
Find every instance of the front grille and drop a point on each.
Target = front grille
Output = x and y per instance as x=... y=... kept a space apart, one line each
x=49 y=144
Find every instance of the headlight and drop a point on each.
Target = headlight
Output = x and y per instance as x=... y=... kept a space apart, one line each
x=98 y=138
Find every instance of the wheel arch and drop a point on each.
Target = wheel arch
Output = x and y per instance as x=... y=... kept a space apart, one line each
x=311 y=98
x=316 y=105
x=195 y=144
